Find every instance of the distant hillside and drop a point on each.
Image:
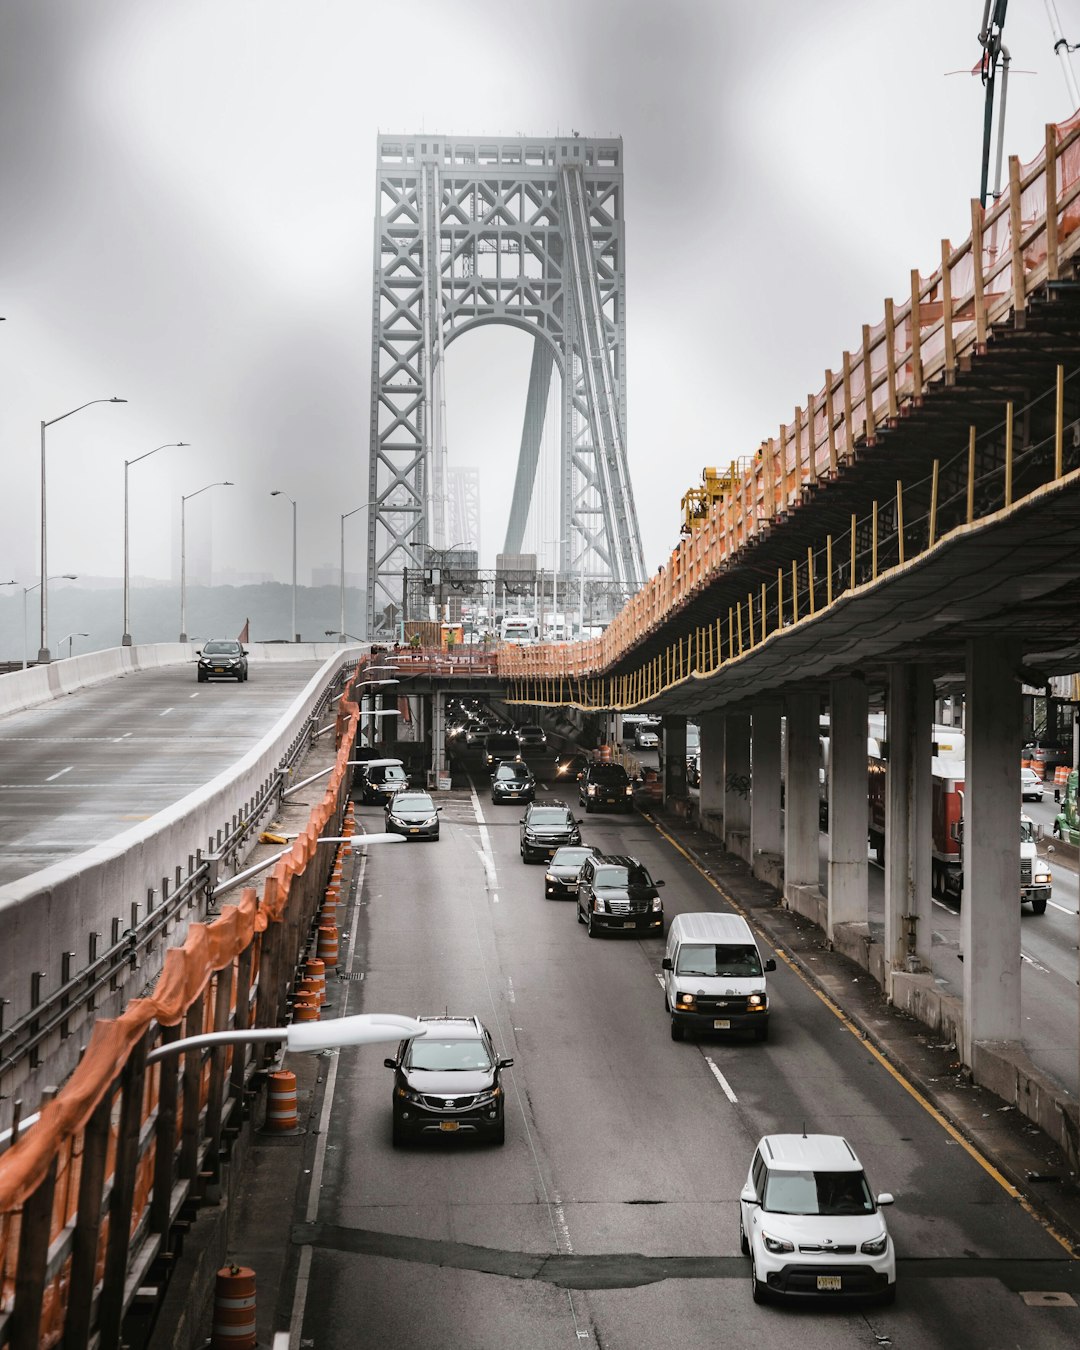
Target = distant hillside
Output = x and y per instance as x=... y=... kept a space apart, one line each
x=212 y=611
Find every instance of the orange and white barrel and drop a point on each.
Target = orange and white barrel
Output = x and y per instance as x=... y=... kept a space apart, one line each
x=1061 y=775
x=305 y=1006
x=281 y=1101
x=328 y=944
x=315 y=971
x=234 y=1309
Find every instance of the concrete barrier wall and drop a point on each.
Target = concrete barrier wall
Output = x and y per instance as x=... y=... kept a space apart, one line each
x=54 y=911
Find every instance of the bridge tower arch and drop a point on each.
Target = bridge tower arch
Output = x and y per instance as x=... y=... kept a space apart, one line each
x=526 y=231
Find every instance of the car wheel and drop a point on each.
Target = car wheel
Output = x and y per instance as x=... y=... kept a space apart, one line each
x=498 y=1134
x=397 y=1134
x=744 y=1246
x=888 y=1298
x=202 y=678
x=678 y=1031
x=757 y=1290
x=1038 y=906
x=580 y=916
x=590 y=927
x=761 y=1033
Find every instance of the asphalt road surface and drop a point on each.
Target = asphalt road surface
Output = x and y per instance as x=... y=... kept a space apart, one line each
x=610 y=1216
x=88 y=766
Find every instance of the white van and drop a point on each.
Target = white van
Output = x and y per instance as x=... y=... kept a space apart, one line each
x=714 y=979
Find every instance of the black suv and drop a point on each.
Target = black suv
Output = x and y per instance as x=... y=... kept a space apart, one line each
x=616 y=892
x=605 y=785
x=447 y=1082
x=222 y=659
x=513 y=782
x=546 y=827
x=500 y=746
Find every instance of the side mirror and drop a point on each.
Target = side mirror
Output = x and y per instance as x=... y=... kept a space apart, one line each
x=770 y=965
x=667 y=963
x=199 y=652
x=1050 y=848
x=243 y=651
x=748 y=1197
x=578 y=820
x=885 y=1198
x=509 y=1064
x=521 y=821
x=390 y=1063
x=659 y=883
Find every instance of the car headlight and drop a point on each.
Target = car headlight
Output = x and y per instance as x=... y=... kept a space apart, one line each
x=592 y=789
x=629 y=790
x=598 y=905
x=550 y=876
x=1042 y=878
x=876 y=1246
x=408 y=1095
x=657 y=904
x=430 y=820
x=773 y=1244
x=686 y=1000
x=482 y=1098
x=756 y=1001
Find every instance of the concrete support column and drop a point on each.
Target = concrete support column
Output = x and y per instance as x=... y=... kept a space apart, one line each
x=438 y=735
x=990 y=910
x=737 y=784
x=673 y=755
x=766 y=835
x=802 y=756
x=848 y=896
x=712 y=772
x=908 y=793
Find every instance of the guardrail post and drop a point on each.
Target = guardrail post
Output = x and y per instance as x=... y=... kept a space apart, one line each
x=971 y=477
x=900 y=519
x=1059 y=425
x=111 y=1304
x=810 y=577
x=165 y=1136
x=750 y=617
x=1008 y=454
x=828 y=569
x=84 y=1240
x=794 y=591
x=222 y=1005
x=873 y=544
x=933 y=503
x=35 y=1231
x=854 y=531
x=192 y=1074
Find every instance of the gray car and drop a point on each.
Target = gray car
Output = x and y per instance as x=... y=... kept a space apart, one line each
x=413 y=815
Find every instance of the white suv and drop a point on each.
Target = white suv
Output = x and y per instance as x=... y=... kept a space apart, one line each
x=810 y=1223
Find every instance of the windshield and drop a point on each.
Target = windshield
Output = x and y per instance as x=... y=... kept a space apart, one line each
x=718 y=959
x=222 y=648
x=570 y=857
x=817 y=1193
x=622 y=876
x=1027 y=832
x=510 y=771
x=388 y=773
x=408 y=801
x=548 y=815
x=501 y=741
x=447 y=1056
x=608 y=773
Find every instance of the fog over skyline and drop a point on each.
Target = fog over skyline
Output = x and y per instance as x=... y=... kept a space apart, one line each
x=187 y=222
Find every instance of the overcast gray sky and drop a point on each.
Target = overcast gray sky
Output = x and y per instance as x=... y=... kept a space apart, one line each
x=186 y=221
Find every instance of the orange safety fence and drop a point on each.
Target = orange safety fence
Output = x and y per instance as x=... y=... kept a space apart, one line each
x=1013 y=247
x=51 y=1150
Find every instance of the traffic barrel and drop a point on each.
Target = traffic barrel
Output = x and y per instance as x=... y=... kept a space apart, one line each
x=1061 y=775
x=234 y=1309
x=305 y=1006
x=281 y=1102
x=327 y=951
x=315 y=970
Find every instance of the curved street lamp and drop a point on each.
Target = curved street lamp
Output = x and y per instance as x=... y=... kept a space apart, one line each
x=277 y=492
x=43 y=655
x=125 y=641
x=183 y=552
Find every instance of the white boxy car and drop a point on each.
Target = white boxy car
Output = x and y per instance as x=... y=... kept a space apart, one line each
x=810 y=1223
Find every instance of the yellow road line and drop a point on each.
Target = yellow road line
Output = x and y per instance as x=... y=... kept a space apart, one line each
x=863 y=1040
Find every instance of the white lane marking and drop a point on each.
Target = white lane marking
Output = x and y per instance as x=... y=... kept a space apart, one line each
x=722 y=1081
x=1043 y=970
x=195 y=694
x=165 y=712
x=60 y=773
x=659 y=978
x=510 y=990
x=121 y=738
x=485 y=853
x=1072 y=913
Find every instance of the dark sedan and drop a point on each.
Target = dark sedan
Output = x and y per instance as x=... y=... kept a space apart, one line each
x=561 y=877
x=513 y=782
x=412 y=814
x=570 y=765
x=222 y=659
x=544 y=829
x=616 y=892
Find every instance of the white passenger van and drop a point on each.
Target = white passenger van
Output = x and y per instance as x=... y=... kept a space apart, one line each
x=714 y=979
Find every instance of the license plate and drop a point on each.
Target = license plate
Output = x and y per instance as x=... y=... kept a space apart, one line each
x=450 y=1125
x=571 y=885
x=414 y=829
x=828 y=1283
x=627 y=923
x=515 y=794
x=219 y=670
x=723 y=1024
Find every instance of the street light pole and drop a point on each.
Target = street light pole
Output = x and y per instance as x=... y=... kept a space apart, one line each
x=278 y=493
x=43 y=654
x=125 y=641
x=183 y=553
x=66 y=576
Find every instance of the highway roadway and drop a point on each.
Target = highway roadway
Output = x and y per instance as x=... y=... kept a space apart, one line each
x=610 y=1216
x=85 y=767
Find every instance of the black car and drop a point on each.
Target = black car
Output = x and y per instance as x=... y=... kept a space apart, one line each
x=561 y=877
x=532 y=737
x=412 y=814
x=499 y=746
x=617 y=893
x=570 y=765
x=545 y=828
x=513 y=782
x=605 y=785
x=448 y=1082
x=380 y=779
x=222 y=659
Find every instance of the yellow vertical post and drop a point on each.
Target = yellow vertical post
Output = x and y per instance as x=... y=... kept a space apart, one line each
x=831 y=419
x=933 y=502
x=854 y=525
x=900 y=518
x=873 y=546
x=730 y=632
x=849 y=430
x=971 y=477
x=750 y=616
x=1008 y=453
x=794 y=591
x=779 y=597
x=1059 y=424
x=810 y=576
x=916 y=337
x=738 y=622
x=828 y=569
x=764 y=622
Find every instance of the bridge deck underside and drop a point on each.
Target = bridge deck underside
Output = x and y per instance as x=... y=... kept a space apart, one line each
x=1016 y=575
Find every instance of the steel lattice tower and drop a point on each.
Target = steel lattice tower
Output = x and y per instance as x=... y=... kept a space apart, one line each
x=527 y=232
x=463 y=513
